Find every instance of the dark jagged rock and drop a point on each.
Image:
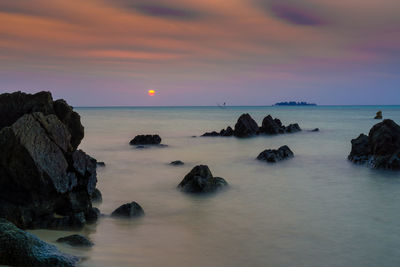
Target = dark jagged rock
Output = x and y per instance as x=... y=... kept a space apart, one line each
x=272 y=126
x=226 y=132
x=76 y=241
x=41 y=172
x=275 y=155
x=380 y=149
x=101 y=164
x=200 y=180
x=293 y=128
x=129 y=210
x=246 y=126
x=177 y=163
x=145 y=140
x=96 y=196
x=213 y=133
x=19 y=248
x=92 y=215
x=378 y=115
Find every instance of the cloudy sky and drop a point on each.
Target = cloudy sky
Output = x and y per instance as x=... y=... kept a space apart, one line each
x=243 y=52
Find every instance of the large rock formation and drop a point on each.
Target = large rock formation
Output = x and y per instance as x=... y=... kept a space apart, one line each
x=200 y=180
x=380 y=149
x=19 y=248
x=246 y=126
x=45 y=182
x=275 y=155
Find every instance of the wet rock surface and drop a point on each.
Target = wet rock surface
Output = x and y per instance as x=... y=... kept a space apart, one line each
x=379 y=149
x=201 y=180
x=275 y=155
x=176 y=163
x=41 y=172
x=20 y=248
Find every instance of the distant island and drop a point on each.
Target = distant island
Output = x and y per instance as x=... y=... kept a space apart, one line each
x=293 y=103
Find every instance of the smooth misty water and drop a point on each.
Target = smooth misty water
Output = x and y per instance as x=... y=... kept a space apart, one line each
x=316 y=209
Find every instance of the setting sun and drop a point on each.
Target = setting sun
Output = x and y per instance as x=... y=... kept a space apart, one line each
x=151 y=92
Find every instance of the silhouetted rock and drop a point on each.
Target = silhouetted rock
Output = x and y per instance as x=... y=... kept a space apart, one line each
x=146 y=140
x=212 y=134
x=246 y=126
x=177 y=163
x=101 y=164
x=380 y=149
x=378 y=115
x=76 y=241
x=19 y=248
x=275 y=155
x=96 y=196
x=293 y=128
x=314 y=130
x=272 y=126
x=129 y=210
x=200 y=180
x=41 y=172
x=227 y=132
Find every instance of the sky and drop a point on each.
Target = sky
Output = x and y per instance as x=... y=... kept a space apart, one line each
x=242 y=52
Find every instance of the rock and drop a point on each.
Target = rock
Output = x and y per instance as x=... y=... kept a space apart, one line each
x=293 y=128
x=246 y=126
x=273 y=155
x=101 y=164
x=96 y=196
x=19 y=248
x=378 y=115
x=176 y=163
x=228 y=132
x=44 y=181
x=146 y=140
x=129 y=210
x=213 y=133
x=76 y=241
x=314 y=130
x=92 y=215
x=200 y=180
x=380 y=149
x=271 y=126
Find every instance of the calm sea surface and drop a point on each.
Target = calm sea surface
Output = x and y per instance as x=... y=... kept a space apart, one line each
x=316 y=209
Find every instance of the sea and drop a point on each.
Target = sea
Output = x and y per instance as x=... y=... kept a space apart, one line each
x=316 y=209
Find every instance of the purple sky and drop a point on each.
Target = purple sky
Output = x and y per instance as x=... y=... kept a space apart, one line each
x=243 y=52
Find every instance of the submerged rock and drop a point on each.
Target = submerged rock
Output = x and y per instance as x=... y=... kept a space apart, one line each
x=19 y=248
x=129 y=210
x=213 y=133
x=177 y=163
x=275 y=155
x=314 y=130
x=293 y=128
x=380 y=149
x=76 y=241
x=378 y=115
x=146 y=140
x=200 y=180
x=41 y=172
